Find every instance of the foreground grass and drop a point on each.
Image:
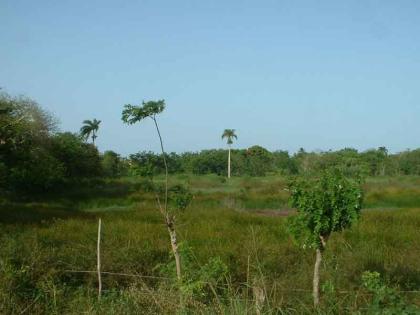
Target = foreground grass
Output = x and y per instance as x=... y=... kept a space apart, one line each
x=48 y=242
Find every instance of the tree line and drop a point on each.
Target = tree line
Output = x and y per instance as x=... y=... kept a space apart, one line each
x=36 y=156
x=258 y=161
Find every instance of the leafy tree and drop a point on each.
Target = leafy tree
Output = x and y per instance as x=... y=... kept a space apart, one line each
x=209 y=161
x=79 y=159
x=330 y=203
x=260 y=160
x=25 y=131
x=229 y=134
x=132 y=114
x=90 y=128
x=180 y=196
x=283 y=163
x=111 y=164
x=376 y=161
x=304 y=161
x=149 y=164
x=37 y=171
x=408 y=162
x=23 y=123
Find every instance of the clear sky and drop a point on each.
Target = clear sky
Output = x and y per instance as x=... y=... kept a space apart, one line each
x=285 y=74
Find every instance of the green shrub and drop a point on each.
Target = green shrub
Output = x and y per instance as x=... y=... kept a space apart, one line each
x=180 y=196
x=202 y=282
x=385 y=300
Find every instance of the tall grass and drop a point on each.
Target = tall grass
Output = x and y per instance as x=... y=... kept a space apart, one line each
x=46 y=244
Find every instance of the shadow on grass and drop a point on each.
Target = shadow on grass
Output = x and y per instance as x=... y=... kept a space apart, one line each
x=65 y=204
x=33 y=213
x=407 y=277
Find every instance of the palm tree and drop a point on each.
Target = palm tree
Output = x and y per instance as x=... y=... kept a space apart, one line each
x=89 y=128
x=229 y=134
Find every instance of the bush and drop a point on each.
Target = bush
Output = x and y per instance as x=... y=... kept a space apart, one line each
x=79 y=159
x=112 y=164
x=181 y=197
x=201 y=282
x=385 y=300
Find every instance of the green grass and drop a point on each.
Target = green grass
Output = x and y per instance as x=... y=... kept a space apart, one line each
x=44 y=240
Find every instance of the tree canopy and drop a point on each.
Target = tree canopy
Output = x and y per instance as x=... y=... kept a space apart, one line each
x=34 y=157
x=132 y=114
x=90 y=127
x=327 y=204
x=229 y=134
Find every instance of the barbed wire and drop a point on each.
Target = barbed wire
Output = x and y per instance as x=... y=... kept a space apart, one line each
x=109 y=273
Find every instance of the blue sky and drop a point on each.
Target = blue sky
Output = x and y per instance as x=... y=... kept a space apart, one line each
x=285 y=74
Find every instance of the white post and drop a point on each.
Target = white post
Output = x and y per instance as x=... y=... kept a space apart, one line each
x=99 y=260
x=229 y=164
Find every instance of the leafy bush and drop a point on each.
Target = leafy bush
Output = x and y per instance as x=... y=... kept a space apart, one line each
x=112 y=165
x=180 y=196
x=202 y=282
x=385 y=300
x=79 y=159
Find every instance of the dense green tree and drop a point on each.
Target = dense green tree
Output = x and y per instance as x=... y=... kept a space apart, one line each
x=149 y=164
x=112 y=164
x=327 y=204
x=79 y=159
x=209 y=162
x=376 y=161
x=33 y=156
x=259 y=161
x=25 y=131
x=283 y=163
x=408 y=162
x=304 y=161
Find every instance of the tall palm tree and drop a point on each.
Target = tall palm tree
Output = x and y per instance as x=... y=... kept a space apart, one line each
x=89 y=128
x=229 y=134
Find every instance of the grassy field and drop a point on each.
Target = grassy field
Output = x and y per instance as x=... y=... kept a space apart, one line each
x=48 y=250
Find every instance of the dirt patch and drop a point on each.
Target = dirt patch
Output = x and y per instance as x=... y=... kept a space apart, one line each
x=274 y=212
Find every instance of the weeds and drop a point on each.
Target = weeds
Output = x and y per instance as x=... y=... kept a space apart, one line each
x=42 y=241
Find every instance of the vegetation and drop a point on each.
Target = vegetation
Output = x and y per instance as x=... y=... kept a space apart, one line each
x=229 y=134
x=133 y=114
x=235 y=238
x=90 y=129
x=34 y=156
x=258 y=161
x=329 y=204
x=236 y=251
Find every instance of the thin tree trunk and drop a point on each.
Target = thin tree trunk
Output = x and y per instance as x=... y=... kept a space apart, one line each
x=98 y=252
x=229 y=164
x=316 y=277
x=174 y=243
x=170 y=222
x=164 y=162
